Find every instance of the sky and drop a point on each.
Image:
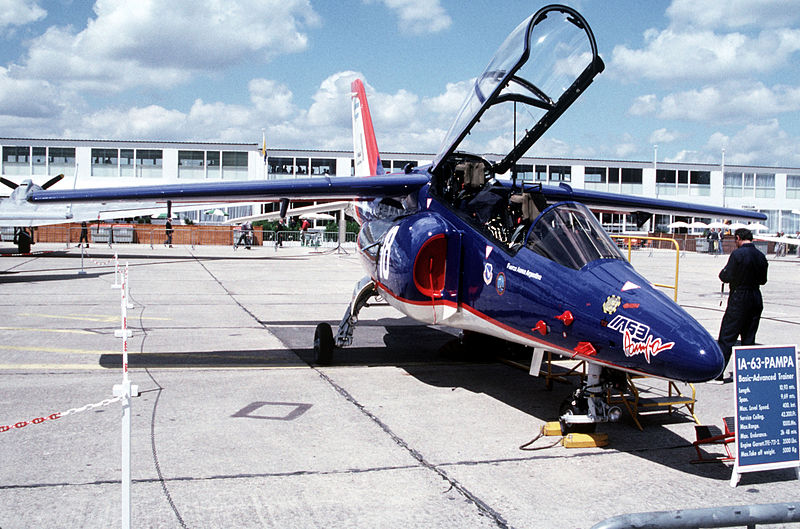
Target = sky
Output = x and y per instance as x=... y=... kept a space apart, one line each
x=692 y=78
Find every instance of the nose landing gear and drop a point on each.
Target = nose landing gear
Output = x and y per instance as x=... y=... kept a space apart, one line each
x=586 y=407
x=324 y=340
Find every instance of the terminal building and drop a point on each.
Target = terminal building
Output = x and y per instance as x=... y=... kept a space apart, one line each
x=774 y=191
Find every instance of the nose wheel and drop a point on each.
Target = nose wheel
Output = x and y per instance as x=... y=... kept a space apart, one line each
x=581 y=411
x=323 y=344
x=573 y=415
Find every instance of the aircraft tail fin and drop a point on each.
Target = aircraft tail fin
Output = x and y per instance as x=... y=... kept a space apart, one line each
x=365 y=147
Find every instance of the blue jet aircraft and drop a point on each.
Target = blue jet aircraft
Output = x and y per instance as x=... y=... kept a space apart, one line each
x=461 y=243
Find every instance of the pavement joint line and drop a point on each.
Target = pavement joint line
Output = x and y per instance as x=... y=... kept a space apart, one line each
x=482 y=506
x=217 y=477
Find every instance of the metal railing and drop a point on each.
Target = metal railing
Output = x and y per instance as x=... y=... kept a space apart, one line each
x=659 y=241
x=729 y=516
x=197 y=235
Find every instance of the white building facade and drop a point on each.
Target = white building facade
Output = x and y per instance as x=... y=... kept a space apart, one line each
x=105 y=163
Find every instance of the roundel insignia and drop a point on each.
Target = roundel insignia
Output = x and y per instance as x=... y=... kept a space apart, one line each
x=501 y=283
x=487 y=273
x=611 y=304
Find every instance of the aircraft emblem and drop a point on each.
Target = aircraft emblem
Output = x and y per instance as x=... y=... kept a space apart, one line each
x=501 y=283
x=611 y=304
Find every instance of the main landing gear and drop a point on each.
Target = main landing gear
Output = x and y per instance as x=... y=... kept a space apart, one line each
x=324 y=340
x=581 y=411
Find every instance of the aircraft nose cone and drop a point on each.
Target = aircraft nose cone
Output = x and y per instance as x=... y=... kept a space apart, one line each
x=658 y=336
x=704 y=358
x=695 y=356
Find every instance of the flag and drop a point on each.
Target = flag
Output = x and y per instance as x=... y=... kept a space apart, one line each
x=264 y=146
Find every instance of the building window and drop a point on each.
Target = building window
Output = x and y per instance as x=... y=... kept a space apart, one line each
x=281 y=167
x=126 y=162
x=790 y=221
x=301 y=167
x=105 y=162
x=191 y=164
x=596 y=175
x=61 y=160
x=39 y=160
x=234 y=165
x=524 y=172
x=400 y=165
x=148 y=163
x=16 y=161
x=765 y=185
x=560 y=173
x=541 y=173
x=733 y=184
x=631 y=181
x=323 y=166
x=793 y=186
x=700 y=183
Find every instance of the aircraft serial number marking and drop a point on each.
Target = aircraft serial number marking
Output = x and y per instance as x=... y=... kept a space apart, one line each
x=386 y=251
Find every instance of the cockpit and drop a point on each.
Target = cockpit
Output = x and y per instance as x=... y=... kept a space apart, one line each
x=569 y=234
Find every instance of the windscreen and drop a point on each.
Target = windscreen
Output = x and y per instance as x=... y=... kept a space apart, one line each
x=525 y=80
x=570 y=235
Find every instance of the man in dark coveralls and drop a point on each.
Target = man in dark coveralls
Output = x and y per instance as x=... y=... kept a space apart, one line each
x=745 y=271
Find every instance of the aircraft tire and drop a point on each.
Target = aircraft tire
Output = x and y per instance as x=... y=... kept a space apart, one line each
x=571 y=406
x=323 y=344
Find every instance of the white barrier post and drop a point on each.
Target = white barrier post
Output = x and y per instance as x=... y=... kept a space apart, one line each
x=127 y=283
x=126 y=390
x=82 y=271
x=116 y=273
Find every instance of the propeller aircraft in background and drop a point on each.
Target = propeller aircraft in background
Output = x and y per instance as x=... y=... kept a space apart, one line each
x=462 y=243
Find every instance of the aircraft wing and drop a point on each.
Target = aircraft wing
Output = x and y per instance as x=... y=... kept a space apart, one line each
x=598 y=200
x=300 y=188
x=292 y=212
x=785 y=240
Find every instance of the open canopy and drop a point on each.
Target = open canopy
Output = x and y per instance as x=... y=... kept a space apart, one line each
x=540 y=69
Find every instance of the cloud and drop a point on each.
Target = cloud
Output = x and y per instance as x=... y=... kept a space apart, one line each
x=20 y=12
x=763 y=143
x=731 y=14
x=162 y=44
x=449 y=103
x=730 y=102
x=26 y=98
x=664 y=136
x=679 y=55
x=420 y=16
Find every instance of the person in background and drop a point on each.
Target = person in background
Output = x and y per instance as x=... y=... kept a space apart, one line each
x=304 y=231
x=84 y=235
x=168 y=229
x=745 y=271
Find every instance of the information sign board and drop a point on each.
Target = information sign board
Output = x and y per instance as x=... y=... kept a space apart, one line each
x=765 y=388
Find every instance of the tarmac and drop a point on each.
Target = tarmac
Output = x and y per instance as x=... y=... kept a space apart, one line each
x=236 y=426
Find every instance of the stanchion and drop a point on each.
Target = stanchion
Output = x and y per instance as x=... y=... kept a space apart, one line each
x=81 y=271
x=126 y=390
x=127 y=283
x=123 y=332
x=116 y=284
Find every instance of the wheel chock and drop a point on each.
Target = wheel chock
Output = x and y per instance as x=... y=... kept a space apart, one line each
x=585 y=440
x=552 y=429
